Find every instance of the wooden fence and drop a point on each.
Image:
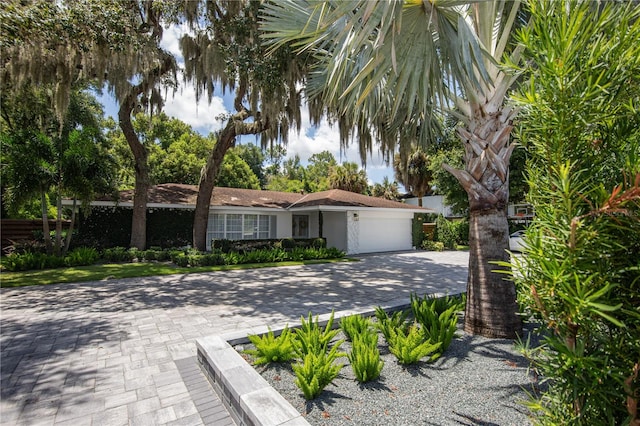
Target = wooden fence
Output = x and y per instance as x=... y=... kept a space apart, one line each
x=14 y=230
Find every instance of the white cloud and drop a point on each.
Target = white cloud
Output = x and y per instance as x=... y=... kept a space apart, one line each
x=199 y=115
x=312 y=140
x=171 y=40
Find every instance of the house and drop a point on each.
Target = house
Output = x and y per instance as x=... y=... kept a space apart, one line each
x=351 y=222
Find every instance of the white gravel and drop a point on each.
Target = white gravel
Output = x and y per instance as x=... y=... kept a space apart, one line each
x=477 y=381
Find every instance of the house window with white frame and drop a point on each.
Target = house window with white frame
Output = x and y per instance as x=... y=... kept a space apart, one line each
x=235 y=226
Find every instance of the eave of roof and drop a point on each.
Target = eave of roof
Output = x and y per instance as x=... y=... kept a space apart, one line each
x=184 y=196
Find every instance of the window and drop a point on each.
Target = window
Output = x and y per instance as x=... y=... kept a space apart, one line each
x=234 y=227
x=300 y=226
x=216 y=226
x=241 y=226
x=263 y=227
x=250 y=227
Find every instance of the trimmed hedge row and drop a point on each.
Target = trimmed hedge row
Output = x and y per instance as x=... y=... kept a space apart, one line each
x=187 y=257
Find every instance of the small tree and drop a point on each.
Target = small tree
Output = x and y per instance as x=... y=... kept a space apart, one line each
x=579 y=275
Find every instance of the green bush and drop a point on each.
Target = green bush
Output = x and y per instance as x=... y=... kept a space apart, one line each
x=432 y=245
x=417 y=230
x=288 y=243
x=316 y=371
x=445 y=233
x=310 y=338
x=222 y=245
x=82 y=256
x=365 y=355
x=272 y=349
x=437 y=317
x=354 y=325
x=579 y=274
x=117 y=255
x=460 y=229
x=412 y=346
x=16 y=262
x=389 y=324
x=319 y=243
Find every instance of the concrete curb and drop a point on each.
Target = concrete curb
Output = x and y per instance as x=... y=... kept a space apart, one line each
x=250 y=399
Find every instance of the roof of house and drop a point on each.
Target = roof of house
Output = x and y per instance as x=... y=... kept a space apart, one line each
x=338 y=197
x=180 y=194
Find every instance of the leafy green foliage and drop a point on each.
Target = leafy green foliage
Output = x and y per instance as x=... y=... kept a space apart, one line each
x=318 y=367
x=412 y=346
x=432 y=245
x=445 y=233
x=33 y=260
x=354 y=325
x=437 y=317
x=389 y=324
x=272 y=349
x=82 y=256
x=118 y=254
x=578 y=275
x=316 y=371
x=365 y=355
x=310 y=338
x=26 y=261
x=348 y=177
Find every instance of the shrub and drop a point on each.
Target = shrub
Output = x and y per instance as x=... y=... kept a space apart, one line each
x=272 y=349
x=365 y=356
x=309 y=338
x=432 y=245
x=288 y=243
x=388 y=324
x=26 y=261
x=82 y=256
x=222 y=245
x=319 y=243
x=412 y=346
x=445 y=233
x=117 y=254
x=316 y=371
x=180 y=259
x=354 y=325
x=417 y=230
x=438 y=318
x=460 y=229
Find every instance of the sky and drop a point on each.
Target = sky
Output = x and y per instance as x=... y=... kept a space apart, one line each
x=201 y=117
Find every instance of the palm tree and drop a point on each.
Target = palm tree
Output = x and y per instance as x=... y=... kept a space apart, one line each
x=348 y=178
x=385 y=68
x=414 y=173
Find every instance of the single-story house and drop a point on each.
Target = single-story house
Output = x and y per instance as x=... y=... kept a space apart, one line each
x=351 y=222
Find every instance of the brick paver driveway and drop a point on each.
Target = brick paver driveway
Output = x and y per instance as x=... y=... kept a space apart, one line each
x=111 y=352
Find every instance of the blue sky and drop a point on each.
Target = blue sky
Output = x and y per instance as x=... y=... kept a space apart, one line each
x=201 y=116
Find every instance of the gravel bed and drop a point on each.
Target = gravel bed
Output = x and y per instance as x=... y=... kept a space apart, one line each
x=477 y=381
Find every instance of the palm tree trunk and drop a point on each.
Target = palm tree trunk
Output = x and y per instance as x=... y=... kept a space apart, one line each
x=491 y=299
x=491 y=310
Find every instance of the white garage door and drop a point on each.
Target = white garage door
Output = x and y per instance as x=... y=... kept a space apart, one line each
x=381 y=231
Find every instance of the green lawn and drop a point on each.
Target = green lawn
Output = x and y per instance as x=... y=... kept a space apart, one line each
x=123 y=270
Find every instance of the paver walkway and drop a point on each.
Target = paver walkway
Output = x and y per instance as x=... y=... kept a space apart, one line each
x=122 y=352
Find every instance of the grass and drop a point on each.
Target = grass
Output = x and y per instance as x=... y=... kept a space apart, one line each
x=105 y=272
